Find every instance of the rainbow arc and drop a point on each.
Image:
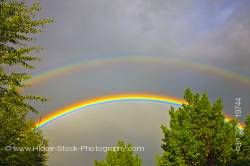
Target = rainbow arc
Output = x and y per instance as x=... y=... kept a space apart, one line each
x=83 y=105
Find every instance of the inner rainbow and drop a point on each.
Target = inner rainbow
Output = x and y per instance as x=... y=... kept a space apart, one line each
x=111 y=99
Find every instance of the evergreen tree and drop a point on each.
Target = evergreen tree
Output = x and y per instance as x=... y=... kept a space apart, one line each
x=123 y=156
x=18 y=23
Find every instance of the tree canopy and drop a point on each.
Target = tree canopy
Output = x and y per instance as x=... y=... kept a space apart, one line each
x=198 y=134
x=123 y=156
x=18 y=23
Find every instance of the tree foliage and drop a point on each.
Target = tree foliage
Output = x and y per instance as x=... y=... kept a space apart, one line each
x=198 y=134
x=18 y=23
x=123 y=156
x=242 y=157
x=246 y=141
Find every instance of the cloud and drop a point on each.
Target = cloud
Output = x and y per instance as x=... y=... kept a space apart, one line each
x=227 y=44
x=215 y=32
x=206 y=31
x=89 y=29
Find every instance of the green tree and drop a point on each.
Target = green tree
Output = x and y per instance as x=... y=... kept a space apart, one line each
x=122 y=156
x=18 y=23
x=246 y=141
x=242 y=156
x=197 y=134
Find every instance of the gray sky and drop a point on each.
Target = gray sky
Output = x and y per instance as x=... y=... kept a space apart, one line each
x=101 y=122
x=215 y=32
x=137 y=123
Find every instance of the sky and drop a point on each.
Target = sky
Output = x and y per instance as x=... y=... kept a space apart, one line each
x=137 y=123
x=214 y=33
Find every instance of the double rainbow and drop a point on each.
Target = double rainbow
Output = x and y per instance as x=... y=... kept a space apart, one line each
x=127 y=97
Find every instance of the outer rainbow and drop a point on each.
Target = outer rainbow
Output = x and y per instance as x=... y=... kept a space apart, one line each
x=107 y=99
x=212 y=70
x=111 y=99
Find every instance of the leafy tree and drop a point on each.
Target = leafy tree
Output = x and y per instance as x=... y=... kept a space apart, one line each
x=122 y=156
x=18 y=23
x=242 y=157
x=246 y=141
x=197 y=134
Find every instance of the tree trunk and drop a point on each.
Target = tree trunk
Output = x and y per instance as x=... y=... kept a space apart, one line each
x=210 y=160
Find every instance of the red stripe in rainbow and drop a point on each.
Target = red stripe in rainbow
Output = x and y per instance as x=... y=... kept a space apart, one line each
x=110 y=99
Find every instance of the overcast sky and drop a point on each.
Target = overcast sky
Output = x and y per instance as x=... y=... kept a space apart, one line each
x=214 y=32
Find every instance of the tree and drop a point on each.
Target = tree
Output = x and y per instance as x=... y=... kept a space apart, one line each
x=246 y=141
x=122 y=156
x=198 y=134
x=18 y=23
x=242 y=157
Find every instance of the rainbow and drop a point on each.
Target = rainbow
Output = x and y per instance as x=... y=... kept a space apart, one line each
x=85 y=65
x=107 y=99
x=80 y=106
